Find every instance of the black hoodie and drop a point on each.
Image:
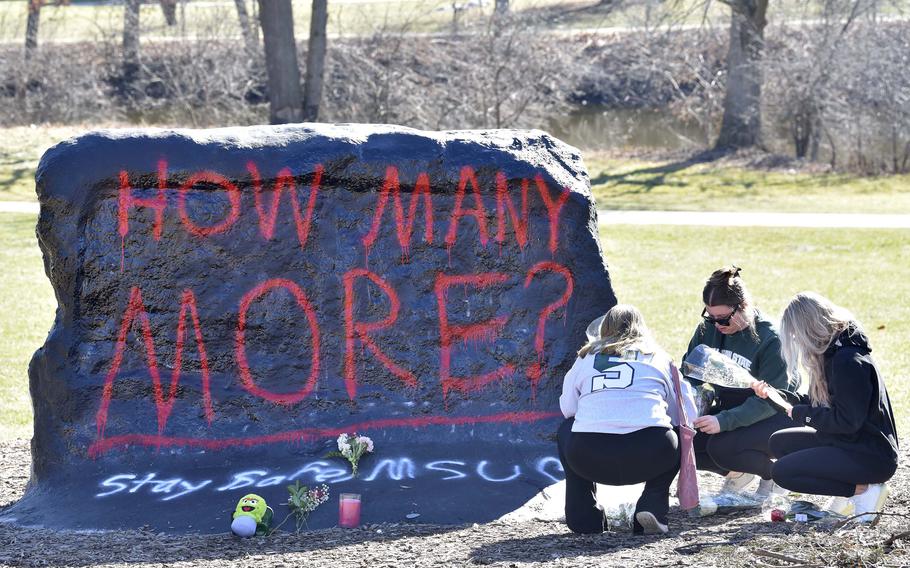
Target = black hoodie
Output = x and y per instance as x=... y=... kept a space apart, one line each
x=859 y=417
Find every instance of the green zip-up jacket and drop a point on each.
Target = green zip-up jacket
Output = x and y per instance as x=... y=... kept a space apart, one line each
x=763 y=360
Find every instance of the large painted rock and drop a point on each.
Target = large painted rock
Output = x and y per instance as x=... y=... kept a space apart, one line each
x=230 y=301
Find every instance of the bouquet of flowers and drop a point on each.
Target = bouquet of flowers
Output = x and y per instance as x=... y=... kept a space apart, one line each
x=711 y=366
x=714 y=368
x=352 y=447
x=303 y=501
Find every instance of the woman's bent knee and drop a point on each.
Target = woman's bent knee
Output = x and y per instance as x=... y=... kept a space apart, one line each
x=777 y=444
x=785 y=471
x=722 y=445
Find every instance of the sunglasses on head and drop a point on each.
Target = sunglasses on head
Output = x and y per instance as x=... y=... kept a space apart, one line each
x=724 y=321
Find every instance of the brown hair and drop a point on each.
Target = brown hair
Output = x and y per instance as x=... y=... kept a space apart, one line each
x=725 y=287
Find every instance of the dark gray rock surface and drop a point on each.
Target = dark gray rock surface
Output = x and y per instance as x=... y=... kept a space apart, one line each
x=210 y=343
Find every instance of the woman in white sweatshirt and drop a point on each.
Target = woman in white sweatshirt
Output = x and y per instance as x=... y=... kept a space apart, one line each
x=620 y=407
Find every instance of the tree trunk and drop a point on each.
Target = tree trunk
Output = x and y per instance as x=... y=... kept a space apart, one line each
x=285 y=99
x=502 y=7
x=456 y=11
x=169 y=9
x=315 y=61
x=255 y=18
x=804 y=126
x=741 y=125
x=31 y=27
x=131 y=39
x=249 y=39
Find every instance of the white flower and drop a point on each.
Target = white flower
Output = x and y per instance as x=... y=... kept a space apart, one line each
x=363 y=440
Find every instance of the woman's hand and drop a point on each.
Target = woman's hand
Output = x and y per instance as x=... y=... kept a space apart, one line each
x=707 y=424
x=764 y=390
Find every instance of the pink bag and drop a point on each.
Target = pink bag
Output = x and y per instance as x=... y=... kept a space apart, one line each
x=687 y=484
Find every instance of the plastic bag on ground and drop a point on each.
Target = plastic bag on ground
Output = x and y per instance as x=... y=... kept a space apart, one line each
x=709 y=503
x=618 y=503
x=805 y=512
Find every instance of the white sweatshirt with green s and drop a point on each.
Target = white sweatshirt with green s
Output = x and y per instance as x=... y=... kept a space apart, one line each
x=618 y=395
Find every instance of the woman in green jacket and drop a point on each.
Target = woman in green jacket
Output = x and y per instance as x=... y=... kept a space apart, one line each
x=733 y=434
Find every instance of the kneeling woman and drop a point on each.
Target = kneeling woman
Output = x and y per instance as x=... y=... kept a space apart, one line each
x=846 y=445
x=620 y=406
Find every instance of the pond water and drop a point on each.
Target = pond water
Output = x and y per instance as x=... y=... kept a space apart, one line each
x=598 y=128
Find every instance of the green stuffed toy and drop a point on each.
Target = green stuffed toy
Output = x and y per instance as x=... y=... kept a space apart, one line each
x=252 y=516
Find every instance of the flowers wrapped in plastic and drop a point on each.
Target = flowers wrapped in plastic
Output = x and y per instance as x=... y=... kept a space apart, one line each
x=712 y=367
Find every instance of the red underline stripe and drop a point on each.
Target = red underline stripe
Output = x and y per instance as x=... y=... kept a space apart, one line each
x=105 y=445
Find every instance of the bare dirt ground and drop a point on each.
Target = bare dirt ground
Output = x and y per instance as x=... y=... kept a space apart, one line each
x=739 y=538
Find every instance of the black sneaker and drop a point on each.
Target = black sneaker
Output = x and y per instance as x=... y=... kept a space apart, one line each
x=647 y=523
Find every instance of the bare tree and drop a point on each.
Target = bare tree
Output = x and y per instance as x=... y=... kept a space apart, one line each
x=249 y=36
x=31 y=27
x=131 y=39
x=315 y=60
x=837 y=87
x=285 y=98
x=866 y=117
x=741 y=124
x=169 y=9
x=457 y=9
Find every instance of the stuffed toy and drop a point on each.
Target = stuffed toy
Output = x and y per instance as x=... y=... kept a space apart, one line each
x=252 y=516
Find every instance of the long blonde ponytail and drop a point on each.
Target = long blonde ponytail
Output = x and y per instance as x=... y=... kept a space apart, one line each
x=809 y=323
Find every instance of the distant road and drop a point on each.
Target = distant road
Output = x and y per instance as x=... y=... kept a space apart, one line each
x=701 y=218
x=725 y=219
x=18 y=207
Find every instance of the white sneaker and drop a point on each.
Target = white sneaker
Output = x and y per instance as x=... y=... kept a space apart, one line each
x=870 y=501
x=650 y=524
x=843 y=506
x=736 y=482
x=768 y=488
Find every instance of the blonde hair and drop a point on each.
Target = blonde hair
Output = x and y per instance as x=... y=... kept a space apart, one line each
x=809 y=323
x=623 y=329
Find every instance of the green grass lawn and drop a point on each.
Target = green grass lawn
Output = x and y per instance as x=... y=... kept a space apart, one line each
x=26 y=313
x=659 y=269
x=624 y=183
x=219 y=19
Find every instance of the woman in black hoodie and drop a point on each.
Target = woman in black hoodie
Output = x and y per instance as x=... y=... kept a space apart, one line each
x=846 y=445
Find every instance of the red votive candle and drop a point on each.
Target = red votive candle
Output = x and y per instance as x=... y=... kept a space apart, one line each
x=349 y=510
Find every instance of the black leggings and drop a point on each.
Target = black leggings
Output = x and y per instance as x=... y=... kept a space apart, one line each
x=806 y=465
x=650 y=455
x=744 y=449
